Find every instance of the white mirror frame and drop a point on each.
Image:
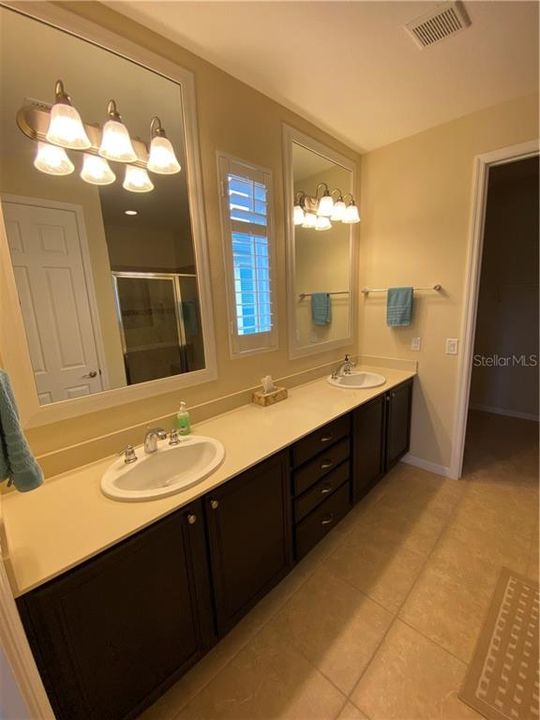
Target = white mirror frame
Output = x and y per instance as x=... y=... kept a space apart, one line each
x=14 y=351
x=290 y=136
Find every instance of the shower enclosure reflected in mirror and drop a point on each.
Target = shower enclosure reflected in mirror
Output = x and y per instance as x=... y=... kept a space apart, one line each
x=321 y=249
x=108 y=280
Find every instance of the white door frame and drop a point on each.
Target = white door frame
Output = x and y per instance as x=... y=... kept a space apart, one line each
x=482 y=164
x=77 y=210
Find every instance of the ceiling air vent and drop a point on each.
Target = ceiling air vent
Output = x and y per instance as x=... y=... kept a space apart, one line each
x=442 y=22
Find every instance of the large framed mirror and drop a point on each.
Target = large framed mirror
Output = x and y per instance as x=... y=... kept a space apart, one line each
x=105 y=287
x=321 y=245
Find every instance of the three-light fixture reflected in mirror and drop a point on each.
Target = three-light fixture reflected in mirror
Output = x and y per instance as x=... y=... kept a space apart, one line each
x=65 y=130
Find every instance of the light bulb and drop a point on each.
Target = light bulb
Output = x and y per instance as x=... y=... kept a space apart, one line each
x=137 y=180
x=338 y=212
x=115 y=141
x=53 y=160
x=162 y=159
x=351 y=214
x=322 y=223
x=96 y=170
x=298 y=215
x=65 y=125
x=310 y=220
x=325 y=206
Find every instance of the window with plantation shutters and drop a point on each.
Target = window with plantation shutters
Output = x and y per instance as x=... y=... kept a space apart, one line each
x=246 y=209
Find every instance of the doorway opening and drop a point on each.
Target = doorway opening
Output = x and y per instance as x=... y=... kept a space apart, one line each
x=502 y=413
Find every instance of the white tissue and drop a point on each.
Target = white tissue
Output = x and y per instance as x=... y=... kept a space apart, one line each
x=267 y=384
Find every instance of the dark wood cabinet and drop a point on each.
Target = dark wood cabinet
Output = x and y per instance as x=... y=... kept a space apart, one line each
x=398 y=422
x=111 y=635
x=368 y=428
x=249 y=530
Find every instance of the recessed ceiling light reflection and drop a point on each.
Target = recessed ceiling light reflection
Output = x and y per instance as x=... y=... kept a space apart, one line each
x=130 y=212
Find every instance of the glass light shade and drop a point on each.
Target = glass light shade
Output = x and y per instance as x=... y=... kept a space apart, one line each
x=323 y=223
x=298 y=215
x=310 y=220
x=137 y=180
x=96 y=170
x=53 y=160
x=325 y=206
x=116 y=143
x=66 y=128
x=162 y=159
x=338 y=212
x=351 y=215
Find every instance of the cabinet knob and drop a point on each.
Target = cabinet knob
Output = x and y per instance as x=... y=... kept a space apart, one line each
x=214 y=504
x=393 y=394
x=326 y=464
x=328 y=520
x=192 y=518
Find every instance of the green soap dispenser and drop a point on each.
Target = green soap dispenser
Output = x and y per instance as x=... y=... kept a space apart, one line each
x=183 y=420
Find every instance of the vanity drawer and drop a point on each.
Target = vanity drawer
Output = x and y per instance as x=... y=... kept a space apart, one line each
x=322 y=438
x=315 y=526
x=319 y=492
x=320 y=466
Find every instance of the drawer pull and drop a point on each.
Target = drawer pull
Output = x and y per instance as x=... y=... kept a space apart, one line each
x=326 y=489
x=327 y=438
x=326 y=464
x=328 y=520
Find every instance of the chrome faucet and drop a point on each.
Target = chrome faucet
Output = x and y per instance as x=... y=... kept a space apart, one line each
x=344 y=368
x=151 y=437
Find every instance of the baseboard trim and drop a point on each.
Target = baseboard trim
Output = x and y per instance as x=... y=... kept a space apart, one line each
x=427 y=465
x=503 y=411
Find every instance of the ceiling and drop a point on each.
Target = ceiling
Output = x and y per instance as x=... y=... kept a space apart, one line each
x=350 y=67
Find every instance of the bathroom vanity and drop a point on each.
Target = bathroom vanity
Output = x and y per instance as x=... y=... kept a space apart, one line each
x=112 y=633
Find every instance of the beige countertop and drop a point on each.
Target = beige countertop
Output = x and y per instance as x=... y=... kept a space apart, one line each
x=68 y=519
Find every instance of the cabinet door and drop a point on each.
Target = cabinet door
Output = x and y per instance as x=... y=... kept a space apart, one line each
x=398 y=427
x=368 y=446
x=248 y=521
x=109 y=636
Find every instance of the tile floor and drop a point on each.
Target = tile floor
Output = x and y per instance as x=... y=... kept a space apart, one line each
x=381 y=619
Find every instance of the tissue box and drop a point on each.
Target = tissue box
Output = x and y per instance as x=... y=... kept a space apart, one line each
x=261 y=398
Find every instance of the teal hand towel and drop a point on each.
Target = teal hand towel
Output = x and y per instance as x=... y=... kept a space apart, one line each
x=321 y=309
x=399 y=304
x=17 y=463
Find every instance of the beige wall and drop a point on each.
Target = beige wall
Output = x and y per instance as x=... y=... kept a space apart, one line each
x=416 y=204
x=238 y=120
x=507 y=321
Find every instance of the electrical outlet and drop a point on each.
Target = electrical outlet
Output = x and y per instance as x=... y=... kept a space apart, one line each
x=451 y=346
x=416 y=344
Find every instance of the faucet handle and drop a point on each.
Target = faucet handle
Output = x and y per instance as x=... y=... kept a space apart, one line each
x=130 y=456
x=174 y=438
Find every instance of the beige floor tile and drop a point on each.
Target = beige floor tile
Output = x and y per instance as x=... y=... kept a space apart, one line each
x=411 y=677
x=351 y=712
x=510 y=511
x=380 y=567
x=267 y=680
x=335 y=626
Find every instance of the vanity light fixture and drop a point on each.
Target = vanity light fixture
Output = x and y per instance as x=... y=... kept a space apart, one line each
x=137 y=180
x=320 y=212
x=115 y=141
x=52 y=160
x=96 y=170
x=65 y=125
x=162 y=159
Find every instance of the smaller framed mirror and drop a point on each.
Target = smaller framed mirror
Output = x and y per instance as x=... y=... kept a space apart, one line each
x=322 y=220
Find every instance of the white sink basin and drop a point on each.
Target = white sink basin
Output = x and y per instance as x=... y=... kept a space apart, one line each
x=362 y=380
x=169 y=470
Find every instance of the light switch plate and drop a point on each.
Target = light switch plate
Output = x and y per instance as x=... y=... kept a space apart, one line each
x=451 y=346
x=416 y=343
